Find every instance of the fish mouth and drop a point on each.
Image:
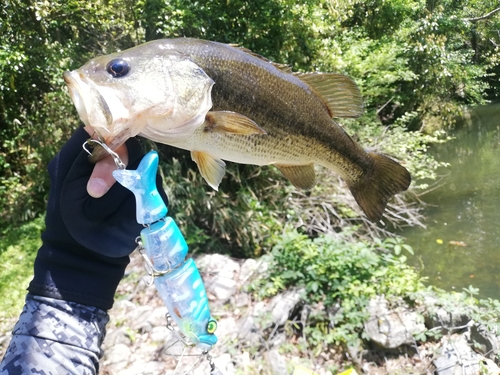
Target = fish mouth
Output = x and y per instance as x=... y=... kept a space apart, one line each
x=74 y=93
x=94 y=111
x=87 y=99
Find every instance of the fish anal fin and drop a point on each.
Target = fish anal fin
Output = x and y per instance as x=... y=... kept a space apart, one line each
x=339 y=92
x=301 y=176
x=384 y=180
x=231 y=122
x=212 y=169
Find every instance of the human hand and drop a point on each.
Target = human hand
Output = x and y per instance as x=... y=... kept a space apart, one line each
x=87 y=239
x=101 y=179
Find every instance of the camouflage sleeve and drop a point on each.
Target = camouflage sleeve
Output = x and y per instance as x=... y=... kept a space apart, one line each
x=55 y=337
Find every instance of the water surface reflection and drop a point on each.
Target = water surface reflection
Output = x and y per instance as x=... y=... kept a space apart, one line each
x=465 y=211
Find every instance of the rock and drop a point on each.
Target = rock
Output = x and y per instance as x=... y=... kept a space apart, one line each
x=241 y=300
x=224 y=364
x=117 y=336
x=219 y=275
x=282 y=305
x=275 y=363
x=140 y=317
x=158 y=317
x=227 y=328
x=160 y=334
x=116 y=357
x=246 y=326
x=278 y=339
x=248 y=268
x=457 y=357
x=222 y=288
x=258 y=309
x=391 y=328
x=449 y=321
x=483 y=341
x=172 y=348
x=148 y=368
x=248 y=331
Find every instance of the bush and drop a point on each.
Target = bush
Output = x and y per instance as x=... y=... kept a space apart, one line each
x=339 y=275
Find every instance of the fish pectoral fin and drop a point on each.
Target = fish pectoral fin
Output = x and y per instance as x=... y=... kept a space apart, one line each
x=339 y=92
x=212 y=169
x=231 y=122
x=301 y=176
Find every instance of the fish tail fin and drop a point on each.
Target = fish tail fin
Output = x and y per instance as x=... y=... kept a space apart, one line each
x=386 y=179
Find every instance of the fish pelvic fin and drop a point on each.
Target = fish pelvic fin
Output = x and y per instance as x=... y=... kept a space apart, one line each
x=340 y=93
x=212 y=169
x=231 y=122
x=301 y=176
x=386 y=179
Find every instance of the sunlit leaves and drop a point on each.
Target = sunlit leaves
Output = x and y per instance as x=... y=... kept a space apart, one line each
x=339 y=275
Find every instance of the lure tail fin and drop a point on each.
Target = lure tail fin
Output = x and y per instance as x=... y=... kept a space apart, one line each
x=142 y=182
x=386 y=179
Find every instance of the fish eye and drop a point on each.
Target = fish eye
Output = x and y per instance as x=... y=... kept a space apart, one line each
x=118 y=68
x=211 y=326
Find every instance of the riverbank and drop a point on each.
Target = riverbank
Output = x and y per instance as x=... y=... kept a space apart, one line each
x=436 y=334
x=261 y=337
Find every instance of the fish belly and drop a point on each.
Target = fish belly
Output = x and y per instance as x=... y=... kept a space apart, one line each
x=270 y=149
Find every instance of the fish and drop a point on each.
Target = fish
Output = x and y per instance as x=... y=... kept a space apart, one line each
x=264 y=114
x=120 y=94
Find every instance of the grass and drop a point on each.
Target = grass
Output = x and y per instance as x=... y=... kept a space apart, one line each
x=18 y=248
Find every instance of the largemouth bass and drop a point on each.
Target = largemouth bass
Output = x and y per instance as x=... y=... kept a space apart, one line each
x=122 y=93
x=264 y=114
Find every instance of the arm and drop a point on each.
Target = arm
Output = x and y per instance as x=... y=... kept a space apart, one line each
x=55 y=337
x=90 y=231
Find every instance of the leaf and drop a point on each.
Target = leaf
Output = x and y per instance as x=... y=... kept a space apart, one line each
x=409 y=249
x=314 y=286
x=397 y=249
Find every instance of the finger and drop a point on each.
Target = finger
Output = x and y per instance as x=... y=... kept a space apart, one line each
x=90 y=130
x=102 y=178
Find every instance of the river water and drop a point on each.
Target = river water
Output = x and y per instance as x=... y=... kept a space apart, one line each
x=461 y=244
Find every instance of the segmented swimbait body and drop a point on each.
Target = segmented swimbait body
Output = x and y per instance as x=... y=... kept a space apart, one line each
x=178 y=280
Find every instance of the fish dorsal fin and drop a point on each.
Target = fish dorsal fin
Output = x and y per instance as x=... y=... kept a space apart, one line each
x=339 y=92
x=231 y=122
x=301 y=176
x=212 y=169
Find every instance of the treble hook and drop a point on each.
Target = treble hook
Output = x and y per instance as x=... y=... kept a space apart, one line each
x=119 y=163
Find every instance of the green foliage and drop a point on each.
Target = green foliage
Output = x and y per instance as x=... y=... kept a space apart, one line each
x=333 y=272
x=42 y=40
x=263 y=26
x=417 y=63
x=18 y=247
x=411 y=56
x=481 y=311
x=396 y=140
x=239 y=219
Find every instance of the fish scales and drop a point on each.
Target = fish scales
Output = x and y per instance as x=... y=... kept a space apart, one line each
x=248 y=85
x=226 y=103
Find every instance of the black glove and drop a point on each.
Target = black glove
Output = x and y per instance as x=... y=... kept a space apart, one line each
x=87 y=240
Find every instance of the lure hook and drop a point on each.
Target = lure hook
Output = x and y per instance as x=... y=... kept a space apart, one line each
x=119 y=163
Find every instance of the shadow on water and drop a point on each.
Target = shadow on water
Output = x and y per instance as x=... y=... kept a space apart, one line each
x=461 y=245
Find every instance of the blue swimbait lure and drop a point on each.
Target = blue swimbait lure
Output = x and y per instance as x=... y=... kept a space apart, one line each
x=178 y=280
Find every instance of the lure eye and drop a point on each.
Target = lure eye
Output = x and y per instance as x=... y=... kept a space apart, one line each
x=211 y=326
x=118 y=68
